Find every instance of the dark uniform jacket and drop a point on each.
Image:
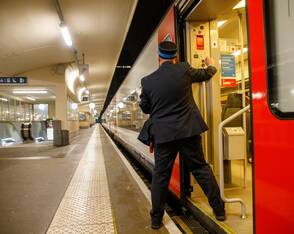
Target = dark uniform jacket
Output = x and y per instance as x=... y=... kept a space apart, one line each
x=167 y=97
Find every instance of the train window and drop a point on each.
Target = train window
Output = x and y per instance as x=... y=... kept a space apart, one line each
x=279 y=25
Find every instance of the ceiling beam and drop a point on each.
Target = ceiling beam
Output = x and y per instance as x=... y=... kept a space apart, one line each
x=147 y=16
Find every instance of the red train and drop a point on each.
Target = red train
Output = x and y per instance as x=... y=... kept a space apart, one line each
x=253 y=42
x=272 y=125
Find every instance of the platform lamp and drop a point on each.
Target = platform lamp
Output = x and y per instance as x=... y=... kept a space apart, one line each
x=65 y=34
x=92 y=106
x=83 y=70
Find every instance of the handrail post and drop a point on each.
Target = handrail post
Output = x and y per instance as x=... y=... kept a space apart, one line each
x=221 y=162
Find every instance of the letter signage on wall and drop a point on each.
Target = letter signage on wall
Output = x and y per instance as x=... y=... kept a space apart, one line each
x=13 y=80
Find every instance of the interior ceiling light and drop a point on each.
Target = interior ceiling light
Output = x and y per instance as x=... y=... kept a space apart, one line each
x=87 y=91
x=30 y=91
x=221 y=23
x=241 y=4
x=82 y=78
x=30 y=98
x=4 y=99
x=238 y=52
x=66 y=34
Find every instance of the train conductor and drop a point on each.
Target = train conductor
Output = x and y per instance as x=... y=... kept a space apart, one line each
x=176 y=125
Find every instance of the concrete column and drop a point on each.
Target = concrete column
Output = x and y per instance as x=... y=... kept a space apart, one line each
x=61 y=104
x=51 y=109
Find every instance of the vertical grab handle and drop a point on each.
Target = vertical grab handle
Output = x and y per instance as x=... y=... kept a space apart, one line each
x=221 y=162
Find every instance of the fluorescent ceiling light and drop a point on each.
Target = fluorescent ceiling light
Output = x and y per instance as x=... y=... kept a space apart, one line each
x=29 y=91
x=82 y=78
x=221 y=23
x=124 y=67
x=241 y=4
x=238 y=52
x=66 y=35
x=30 y=98
x=4 y=99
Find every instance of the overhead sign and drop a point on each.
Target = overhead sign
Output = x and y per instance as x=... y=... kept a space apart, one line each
x=85 y=99
x=228 y=65
x=13 y=80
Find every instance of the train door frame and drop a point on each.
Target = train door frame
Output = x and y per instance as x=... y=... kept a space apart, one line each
x=182 y=9
x=185 y=181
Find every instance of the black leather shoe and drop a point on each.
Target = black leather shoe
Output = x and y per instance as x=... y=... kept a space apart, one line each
x=156 y=226
x=220 y=215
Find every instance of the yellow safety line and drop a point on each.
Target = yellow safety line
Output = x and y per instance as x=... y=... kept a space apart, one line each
x=222 y=225
x=114 y=221
x=179 y=221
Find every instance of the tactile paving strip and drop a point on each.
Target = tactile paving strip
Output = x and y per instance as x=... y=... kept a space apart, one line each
x=86 y=206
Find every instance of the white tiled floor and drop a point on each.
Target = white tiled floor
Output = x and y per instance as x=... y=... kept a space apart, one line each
x=86 y=206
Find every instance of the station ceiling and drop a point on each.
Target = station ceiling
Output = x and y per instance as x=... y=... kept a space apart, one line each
x=31 y=38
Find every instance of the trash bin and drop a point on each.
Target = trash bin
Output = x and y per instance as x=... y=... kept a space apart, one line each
x=61 y=136
x=64 y=137
x=234 y=143
x=57 y=138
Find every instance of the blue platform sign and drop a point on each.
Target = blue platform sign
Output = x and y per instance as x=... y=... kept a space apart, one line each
x=228 y=65
x=7 y=80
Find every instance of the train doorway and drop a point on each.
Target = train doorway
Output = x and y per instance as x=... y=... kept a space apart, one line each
x=219 y=29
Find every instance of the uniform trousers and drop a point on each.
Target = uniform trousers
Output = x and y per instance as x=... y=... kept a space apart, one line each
x=192 y=153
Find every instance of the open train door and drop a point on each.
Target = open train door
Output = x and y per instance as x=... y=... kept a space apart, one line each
x=218 y=29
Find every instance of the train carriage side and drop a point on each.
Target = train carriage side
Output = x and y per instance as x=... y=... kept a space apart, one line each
x=225 y=39
x=271 y=34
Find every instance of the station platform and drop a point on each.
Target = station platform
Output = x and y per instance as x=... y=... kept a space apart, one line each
x=89 y=188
